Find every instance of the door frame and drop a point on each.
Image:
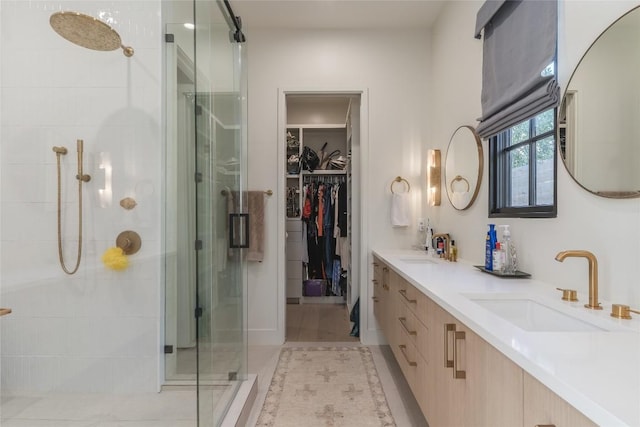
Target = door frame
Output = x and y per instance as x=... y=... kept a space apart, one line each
x=359 y=215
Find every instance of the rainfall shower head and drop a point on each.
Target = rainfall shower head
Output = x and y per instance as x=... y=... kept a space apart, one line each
x=87 y=31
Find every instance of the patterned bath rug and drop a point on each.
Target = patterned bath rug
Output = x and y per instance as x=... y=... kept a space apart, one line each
x=325 y=386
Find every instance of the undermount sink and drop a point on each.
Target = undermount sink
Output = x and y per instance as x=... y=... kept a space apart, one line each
x=532 y=315
x=418 y=260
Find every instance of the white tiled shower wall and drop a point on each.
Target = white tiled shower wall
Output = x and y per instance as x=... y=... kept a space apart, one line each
x=98 y=330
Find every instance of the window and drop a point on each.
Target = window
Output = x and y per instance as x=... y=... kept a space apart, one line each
x=522 y=165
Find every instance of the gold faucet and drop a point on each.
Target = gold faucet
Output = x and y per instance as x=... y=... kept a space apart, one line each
x=447 y=239
x=593 y=274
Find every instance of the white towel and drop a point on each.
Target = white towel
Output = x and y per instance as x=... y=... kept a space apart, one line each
x=400 y=209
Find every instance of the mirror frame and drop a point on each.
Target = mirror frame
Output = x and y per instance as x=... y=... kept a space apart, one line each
x=480 y=167
x=613 y=194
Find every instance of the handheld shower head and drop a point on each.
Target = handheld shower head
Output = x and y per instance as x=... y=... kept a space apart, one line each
x=87 y=31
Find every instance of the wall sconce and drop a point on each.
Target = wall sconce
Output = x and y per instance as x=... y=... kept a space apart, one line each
x=433 y=177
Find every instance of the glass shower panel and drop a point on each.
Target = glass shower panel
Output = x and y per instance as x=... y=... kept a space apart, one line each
x=220 y=213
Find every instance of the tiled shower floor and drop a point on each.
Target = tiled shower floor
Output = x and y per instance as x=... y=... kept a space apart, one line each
x=169 y=408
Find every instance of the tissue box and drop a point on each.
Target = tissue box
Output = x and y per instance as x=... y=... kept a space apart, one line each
x=314 y=287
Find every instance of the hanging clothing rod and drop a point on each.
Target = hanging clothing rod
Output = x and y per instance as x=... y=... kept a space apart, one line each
x=333 y=179
x=238 y=36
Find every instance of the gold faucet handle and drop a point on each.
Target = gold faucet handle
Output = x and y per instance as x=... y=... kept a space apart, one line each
x=621 y=311
x=569 y=294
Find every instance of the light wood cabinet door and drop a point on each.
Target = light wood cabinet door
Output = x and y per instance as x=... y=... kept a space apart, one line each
x=446 y=394
x=494 y=384
x=544 y=407
x=472 y=384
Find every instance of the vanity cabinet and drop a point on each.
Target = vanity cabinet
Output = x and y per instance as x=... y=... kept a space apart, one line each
x=458 y=378
x=472 y=383
x=544 y=407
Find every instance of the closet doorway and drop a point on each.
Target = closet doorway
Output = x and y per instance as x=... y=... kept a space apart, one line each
x=322 y=141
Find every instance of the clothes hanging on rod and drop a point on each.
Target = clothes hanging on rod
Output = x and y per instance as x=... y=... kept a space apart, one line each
x=321 y=213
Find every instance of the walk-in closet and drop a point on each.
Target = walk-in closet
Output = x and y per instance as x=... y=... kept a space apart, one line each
x=321 y=132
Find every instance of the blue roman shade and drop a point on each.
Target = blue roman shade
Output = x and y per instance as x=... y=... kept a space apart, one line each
x=519 y=52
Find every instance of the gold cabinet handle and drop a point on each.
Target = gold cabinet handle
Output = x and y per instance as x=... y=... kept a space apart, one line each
x=448 y=327
x=545 y=425
x=457 y=373
x=403 y=321
x=375 y=299
x=375 y=264
x=385 y=269
x=375 y=281
x=403 y=292
x=402 y=350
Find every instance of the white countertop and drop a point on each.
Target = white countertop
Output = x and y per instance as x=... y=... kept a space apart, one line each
x=597 y=372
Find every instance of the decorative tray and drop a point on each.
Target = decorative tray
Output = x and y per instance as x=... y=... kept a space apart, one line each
x=516 y=275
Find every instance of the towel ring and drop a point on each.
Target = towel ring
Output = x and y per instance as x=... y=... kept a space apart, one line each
x=400 y=179
x=459 y=178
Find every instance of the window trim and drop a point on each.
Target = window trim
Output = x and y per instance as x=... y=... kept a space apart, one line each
x=498 y=167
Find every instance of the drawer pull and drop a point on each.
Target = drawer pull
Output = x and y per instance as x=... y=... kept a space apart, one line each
x=457 y=374
x=545 y=425
x=375 y=264
x=448 y=327
x=403 y=292
x=402 y=350
x=404 y=325
x=385 y=269
x=375 y=299
x=375 y=281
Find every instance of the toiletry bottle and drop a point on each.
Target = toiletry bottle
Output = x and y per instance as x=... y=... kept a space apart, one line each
x=490 y=244
x=428 y=241
x=510 y=262
x=498 y=258
x=440 y=246
x=454 y=251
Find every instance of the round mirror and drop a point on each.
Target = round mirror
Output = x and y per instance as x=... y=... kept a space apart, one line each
x=599 y=118
x=463 y=167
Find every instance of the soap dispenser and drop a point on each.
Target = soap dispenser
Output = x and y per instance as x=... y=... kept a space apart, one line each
x=510 y=257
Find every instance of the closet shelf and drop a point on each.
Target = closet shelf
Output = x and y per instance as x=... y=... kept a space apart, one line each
x=325 y=172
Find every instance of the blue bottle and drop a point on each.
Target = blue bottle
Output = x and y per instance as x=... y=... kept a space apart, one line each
x=490 y=244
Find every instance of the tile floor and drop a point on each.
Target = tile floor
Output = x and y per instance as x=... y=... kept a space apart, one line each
x=175 y=407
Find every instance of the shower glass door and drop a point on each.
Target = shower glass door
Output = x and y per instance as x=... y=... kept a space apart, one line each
x=205 y=327
x=220 y=141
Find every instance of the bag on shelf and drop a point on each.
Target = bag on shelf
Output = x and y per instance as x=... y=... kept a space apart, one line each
x=326 y=160
x=309 y=159
x=293 y=164
x=338 y=163
x=322 y=155
x=292 y=141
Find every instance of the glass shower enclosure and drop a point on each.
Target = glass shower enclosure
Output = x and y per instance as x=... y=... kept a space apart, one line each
x=151 y=336
x=205 y=227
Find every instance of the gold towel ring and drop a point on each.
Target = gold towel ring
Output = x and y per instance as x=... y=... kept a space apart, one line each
x=400 y=179
x=459 y=178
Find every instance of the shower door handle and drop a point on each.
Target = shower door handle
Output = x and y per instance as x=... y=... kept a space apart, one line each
x=239 y=230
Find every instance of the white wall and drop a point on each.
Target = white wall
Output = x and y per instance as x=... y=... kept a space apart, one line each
x=391 y=66
x=98 y=330
x=608 y=228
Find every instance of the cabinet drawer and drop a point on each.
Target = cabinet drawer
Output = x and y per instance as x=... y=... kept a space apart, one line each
x=416 y=332
x=294 y=288
x=409 y=360
x=294 y=251
x=294 y=225
x=415 y=300
x=294 y=270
